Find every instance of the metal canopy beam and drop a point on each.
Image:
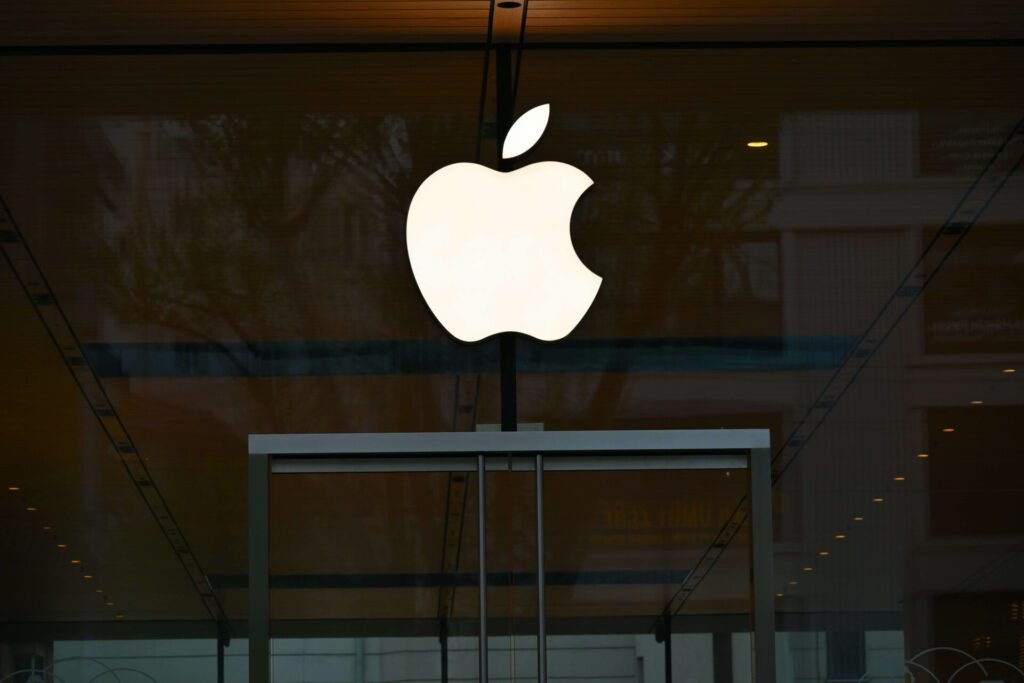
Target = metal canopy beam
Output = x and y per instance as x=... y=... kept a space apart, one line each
x=686 y=442
x=552 y=463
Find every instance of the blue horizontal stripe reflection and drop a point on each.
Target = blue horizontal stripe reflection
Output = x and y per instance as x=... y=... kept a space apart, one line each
x=328 y=358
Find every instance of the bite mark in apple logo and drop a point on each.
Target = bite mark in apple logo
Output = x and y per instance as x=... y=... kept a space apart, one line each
x=491 y=252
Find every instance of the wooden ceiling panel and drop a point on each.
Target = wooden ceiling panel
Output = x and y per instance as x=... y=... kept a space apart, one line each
x=761 y=20
x=163 y=22
x=118 y=22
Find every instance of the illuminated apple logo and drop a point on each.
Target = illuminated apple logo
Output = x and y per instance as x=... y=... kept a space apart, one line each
x=491 y=251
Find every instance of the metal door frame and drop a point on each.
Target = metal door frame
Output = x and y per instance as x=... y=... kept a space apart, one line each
x=549 y=451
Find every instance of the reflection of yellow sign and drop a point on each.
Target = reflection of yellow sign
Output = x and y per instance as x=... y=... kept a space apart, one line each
x=658 y=523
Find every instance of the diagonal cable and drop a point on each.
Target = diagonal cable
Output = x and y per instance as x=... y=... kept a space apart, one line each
x=25 y=267
x=1006 y=160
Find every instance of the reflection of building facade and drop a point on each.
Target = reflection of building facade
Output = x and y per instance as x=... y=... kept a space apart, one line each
x=230 y=267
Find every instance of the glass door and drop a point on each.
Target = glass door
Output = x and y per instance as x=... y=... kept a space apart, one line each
x=507 y=567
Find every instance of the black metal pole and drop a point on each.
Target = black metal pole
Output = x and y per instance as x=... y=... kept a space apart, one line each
x=663 y=634
x=259 y=568
x=509 y=410
x=668 y=649
x=481 y=541
x=721 y=657
x=443 y=637
x=222 y=641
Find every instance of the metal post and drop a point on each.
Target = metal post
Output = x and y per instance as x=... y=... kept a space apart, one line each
x=259 y=569
x=762 y=560
x=668 y=648
x=222 y=642
x=721 y=657
x=507 y=340
x=481 y=475
x=509 y=410
x=542 y=639
x=443 y=637
x=360 y=663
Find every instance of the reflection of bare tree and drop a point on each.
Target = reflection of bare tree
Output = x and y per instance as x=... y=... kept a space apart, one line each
x=242 y=239
x=692 y=198
x=208 y=245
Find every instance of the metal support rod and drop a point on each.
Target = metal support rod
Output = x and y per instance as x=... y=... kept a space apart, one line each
x=762 y=560
x=360 y=660
x=509 y=409
x=668 y=648
x=481 y=523
x=259 y=569
x=443 y=637
x=507 y=340
x=542 y=639
x=721 y=657
x=222 y=642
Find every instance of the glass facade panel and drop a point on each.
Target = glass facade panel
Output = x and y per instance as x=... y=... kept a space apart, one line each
x=808 y=220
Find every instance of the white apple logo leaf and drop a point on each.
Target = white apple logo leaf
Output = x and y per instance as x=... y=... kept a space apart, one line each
x=526 y=131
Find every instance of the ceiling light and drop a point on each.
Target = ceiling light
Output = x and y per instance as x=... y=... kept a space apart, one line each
x=977 y=403
x=840 y=536
x=76 y=562
x=47 y=528
x=823 y=553
x=62 y=546
x=858 y=518
x=109 y=603
x=922 y=456
x=30 y=509
x=899 y=477
x=757 y=143
x=878 y=500
x=99 y=590
x=778 y=595
x=793 y=583
x=13 y=488
x=1009 y=371
x=808 y=569
x=87 y=577
x=948 y=430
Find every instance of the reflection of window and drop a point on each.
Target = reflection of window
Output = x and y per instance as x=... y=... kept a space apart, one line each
x=845 y=655
x=960 y=143
x=976 y=472
x=752 y=274
x=974 y=305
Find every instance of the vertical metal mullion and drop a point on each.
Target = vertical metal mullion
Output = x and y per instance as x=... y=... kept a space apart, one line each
x=762 y=560
x=220 y=657
x=443 y=637
x=507 y=340
x=259 y=568
x=542 y=640
x=481 y=522
x=721 y=657
x=668 y=648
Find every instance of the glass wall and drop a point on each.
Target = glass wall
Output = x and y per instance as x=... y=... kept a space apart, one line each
x=205 y=244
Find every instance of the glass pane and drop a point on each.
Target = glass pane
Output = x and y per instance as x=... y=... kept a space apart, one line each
x=368 y=570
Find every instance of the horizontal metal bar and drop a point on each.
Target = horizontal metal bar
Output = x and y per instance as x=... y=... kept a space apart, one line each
x=503 y=578
x=379 y=464
x=693 y=441
x=234 y=48
x=795 y=621
x=559 y=463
